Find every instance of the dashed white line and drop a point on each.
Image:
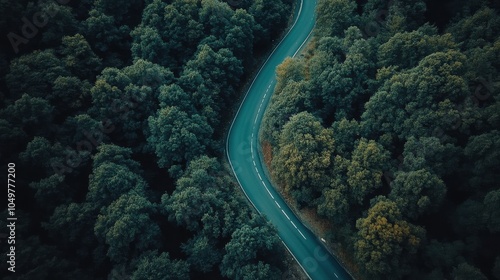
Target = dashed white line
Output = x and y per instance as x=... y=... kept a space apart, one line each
x=265 y=186
x=259 y=176
x=269 y=193
x=336 y=275
x=293 y=224
x=285 y=214
x=301 y=234
x=277 y=204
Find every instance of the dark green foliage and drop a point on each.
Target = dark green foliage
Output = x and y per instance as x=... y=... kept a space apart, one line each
x=248 y=245
x=335 y=16
x=386 y=243
x=124 y=222
x=413 y=153
x=178 y=137
x=305 y=157
x=153 y=266
x=466 y=271
x=113 y=113
x=34 y=73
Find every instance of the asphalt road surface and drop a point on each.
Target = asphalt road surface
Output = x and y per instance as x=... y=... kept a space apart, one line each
x=243 y=155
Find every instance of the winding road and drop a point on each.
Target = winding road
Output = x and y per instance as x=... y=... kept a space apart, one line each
x=243 y=155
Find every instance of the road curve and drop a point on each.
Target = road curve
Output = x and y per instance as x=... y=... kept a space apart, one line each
x=244 y=158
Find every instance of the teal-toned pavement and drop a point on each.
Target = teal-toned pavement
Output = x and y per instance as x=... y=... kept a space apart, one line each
x=243 y=155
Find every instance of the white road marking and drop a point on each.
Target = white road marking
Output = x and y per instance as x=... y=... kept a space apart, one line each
x=265 y=186
x=336 y=275
x=285 y=214
x=277 y=204
x=269 y=193
x=254 y=165
x=301 y=234
x=293 y=224
x=259 y=176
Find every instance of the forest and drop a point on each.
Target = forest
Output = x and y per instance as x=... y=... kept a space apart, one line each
x=388 y=127
x=113 y=113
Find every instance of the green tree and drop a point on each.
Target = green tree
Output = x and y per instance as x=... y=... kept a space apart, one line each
x=34 y=73
x=79 y=58
x=249 y=246
x=417 y=192
x=127 y=98
x=483 y=151
x=492 y=210
x=304 y=158
x=61 y=22
x=105 y=34
x=168 y=34
x=335 y=16
x=429 y=153
x=72 y=226
x=149 y=45
x=174 y=95
x=292 y=100
x=126 y=222
x=240 y=36
x=110 y=153
x=202 y=253
x=70 y=95
x=215 y=16
x=270 y=17
x=201 y=200
x=31 y=114
x=290 y=70
x=476 y=30
x=406 y=49
x=346 y=132
x=152 y=265
x=220 y=70
x=109 y=181
x=365 y=169
x=414 y=104
x=335 y=204
x=466 y=271
x=178 y=137
x=386 y=243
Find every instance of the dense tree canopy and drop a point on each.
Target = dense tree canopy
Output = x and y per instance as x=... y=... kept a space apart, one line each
x=114 y=113
x=410 y=163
